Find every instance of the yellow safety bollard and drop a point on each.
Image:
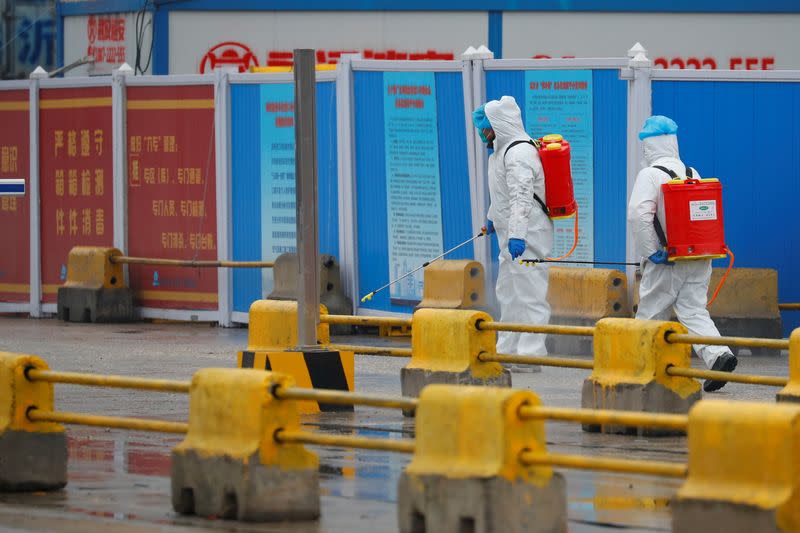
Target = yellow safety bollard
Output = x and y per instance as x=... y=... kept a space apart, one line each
x=95 y=290
x=791 y=392
x=630 y=361
x=229 y=465
x=581 y=297
x=272 y=345
x=744 y=469
x=33 y=455
x=454 y=284
x=445 y=345
x=466 y=473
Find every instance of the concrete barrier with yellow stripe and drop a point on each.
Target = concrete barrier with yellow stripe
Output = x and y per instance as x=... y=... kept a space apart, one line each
x=581 y=297
x=747 y=305
x=95 y=289
x=272 y=345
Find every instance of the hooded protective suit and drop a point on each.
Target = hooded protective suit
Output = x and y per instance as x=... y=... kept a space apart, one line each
x=682 y=284
x=513 y=179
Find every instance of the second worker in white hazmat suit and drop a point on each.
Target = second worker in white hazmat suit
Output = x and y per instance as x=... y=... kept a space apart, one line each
x=667 y=284
x=524 y=230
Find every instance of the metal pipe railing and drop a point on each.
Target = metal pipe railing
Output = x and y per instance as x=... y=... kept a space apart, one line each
x=536 y=328
x=605 y=417
x=366 y=320
x=119 y=382
x=344 y=398
x=608 y=464
x=745 y=342
x=372 y=350
x=195 y=263
x=750 y=379
x=306 y=437
x=117 y=422
x=563 y=362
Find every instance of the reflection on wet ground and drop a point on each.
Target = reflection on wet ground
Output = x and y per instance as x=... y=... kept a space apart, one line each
x=120 y=480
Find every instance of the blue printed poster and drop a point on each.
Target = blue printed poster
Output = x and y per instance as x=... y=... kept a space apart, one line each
x=278 y=191
x=413 y=192
x=560 y=101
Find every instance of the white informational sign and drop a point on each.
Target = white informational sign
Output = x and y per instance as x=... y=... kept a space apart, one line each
x=278 y=190
x=739 y=41
x=703 y=210
x=110 y=39
x=413 y=188
x=560 y=101
x=199 y=41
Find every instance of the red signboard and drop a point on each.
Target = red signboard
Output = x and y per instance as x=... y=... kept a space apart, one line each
x=75 y=177
x=172 y=194
x=14 y=218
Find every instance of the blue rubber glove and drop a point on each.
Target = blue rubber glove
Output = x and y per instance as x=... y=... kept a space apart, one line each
x=516 y=247
x=488 y=229
x=659 y=258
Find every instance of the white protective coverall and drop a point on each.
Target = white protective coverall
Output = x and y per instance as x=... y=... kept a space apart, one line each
x=684 y=284
x=513 y=179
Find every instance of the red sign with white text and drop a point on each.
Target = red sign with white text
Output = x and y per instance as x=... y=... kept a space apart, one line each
x=75 y=177
x=14 y=218
x=172 y=208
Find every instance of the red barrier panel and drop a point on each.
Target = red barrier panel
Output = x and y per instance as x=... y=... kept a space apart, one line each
x=14 y=217
x=172 y=194
x=75 y=177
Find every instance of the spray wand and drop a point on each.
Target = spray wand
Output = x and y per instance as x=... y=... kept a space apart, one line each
x=426 y=263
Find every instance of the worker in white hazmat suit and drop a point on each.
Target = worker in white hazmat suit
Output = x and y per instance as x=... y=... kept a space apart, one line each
x=524 y=230
x=665 y=284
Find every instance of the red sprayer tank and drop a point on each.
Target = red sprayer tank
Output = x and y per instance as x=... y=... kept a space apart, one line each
x=693 y=212
x=555 y=155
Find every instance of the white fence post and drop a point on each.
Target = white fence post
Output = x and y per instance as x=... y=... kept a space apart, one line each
x=119 y=136
x=639 y=108
x=223 y=180
x=345 y=142
x=33 y=197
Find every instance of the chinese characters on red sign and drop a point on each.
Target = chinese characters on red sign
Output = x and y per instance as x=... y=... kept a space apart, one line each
x=106 y=35
x=76 y=167
x=172 y=194
x=14 y=219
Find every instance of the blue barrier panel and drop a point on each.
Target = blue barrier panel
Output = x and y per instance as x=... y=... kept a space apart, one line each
x=609 y=109
x=248 y=148
x=370 y=165
x=747 y=134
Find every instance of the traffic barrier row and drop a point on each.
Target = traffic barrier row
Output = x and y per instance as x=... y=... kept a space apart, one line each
x=480 y=453
x=639 y=365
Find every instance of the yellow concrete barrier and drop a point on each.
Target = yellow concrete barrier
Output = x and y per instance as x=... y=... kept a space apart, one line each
x=581 y=297
x=747 y=306
x=630 y=361
x=791 y=392
x=454 y=284
x=744 y=469
x=95 y=289
x=229 y=465
x=445 y=345
x=272 y=345
x=33 y=455
x=466 y=468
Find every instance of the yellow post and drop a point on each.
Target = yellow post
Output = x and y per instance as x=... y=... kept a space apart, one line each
x=272 y=344
x=230 y=465
x=445 y=348
x=466 y=467
x=744 y=469
x=33 y=455
x=454 y=284
x=791 y=392
x=630 y=361
x=95 y=289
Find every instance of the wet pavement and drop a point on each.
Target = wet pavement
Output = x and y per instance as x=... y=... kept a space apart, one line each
x=120 y=479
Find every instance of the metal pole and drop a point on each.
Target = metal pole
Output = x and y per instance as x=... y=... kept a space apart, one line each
x=305 y=118
x=117 y=422
x=118 y=382
x=372 y=350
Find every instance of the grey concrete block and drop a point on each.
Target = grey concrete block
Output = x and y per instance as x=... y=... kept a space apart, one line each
x=224 y=487
x=76 y=304
x=32 y=461
x=570 y=344
x=652 y=397
x=413 y=380
x=690 y=515
x=434 y=503
x=791 y=398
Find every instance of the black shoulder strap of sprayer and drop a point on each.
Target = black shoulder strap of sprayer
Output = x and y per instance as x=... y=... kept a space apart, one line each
x=662 y=238
x=535 y=144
